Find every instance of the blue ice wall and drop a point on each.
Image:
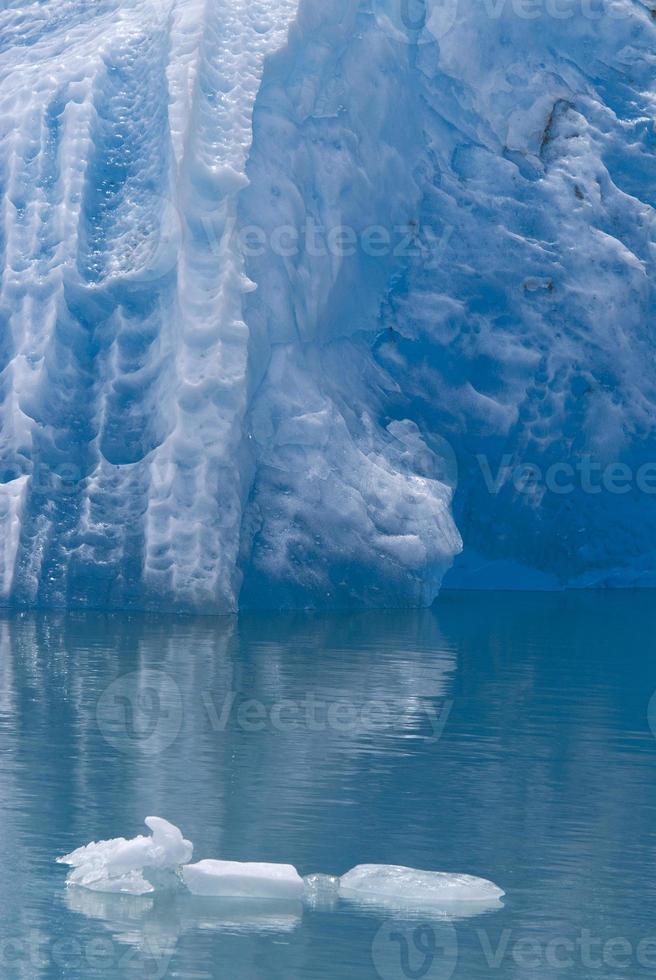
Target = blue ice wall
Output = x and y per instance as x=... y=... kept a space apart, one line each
x=308 y=305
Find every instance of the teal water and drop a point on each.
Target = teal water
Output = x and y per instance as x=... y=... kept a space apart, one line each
x=502 y=735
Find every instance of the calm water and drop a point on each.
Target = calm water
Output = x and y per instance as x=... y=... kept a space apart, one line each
x=505 y=736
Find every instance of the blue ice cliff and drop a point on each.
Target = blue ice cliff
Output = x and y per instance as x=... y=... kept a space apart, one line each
x=325 y=304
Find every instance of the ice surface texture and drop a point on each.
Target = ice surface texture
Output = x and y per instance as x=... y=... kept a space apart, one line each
x=186 y=423
x=136 y=867
x=379 y=882
x=122 y=865
x=238 y=879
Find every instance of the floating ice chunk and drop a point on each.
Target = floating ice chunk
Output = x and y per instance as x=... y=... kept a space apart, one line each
x=383 y=882
x=318 y=884
x=321 y=891
x=140 y=866
x=126 y=866
x=235 y=879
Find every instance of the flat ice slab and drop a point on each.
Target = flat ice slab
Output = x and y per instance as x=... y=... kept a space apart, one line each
x=235 y=879
x=118 y=865
x=390 y=881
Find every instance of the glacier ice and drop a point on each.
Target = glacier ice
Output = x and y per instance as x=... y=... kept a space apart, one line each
x=143 y=865
x=243 y=879
x=140 y=865
x=189 y=422
x=379 y=884
x=124 y=866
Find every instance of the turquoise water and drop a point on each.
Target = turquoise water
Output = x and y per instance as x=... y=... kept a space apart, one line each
x=503 y=735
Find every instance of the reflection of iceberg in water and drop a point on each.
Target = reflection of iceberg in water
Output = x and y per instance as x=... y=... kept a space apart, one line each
x=240 y=914
x=153 y=924
x=136 y=888
x=150 y=926
x=146 y=924
x=393 y=672
x=414 y=906
x=237 y=894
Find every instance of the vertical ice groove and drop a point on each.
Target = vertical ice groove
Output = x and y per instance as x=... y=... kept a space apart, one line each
x=194 y=512
x=186 y=19
x=11 y=502
x=126 y=267
x=87 y=146
x=29 y=281
x=123 y=360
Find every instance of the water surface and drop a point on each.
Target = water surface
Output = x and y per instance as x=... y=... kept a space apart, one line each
x=502 y=735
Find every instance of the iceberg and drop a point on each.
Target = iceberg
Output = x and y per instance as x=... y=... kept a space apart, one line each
x=127 y=866
x=240 y=879
x=302 y=307
x=397 y=886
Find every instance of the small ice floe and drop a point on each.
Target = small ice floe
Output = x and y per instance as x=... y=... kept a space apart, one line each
x=160 y=864
x=394 y=886
x=237 y=879
x=131 y=867
x=144 y=865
